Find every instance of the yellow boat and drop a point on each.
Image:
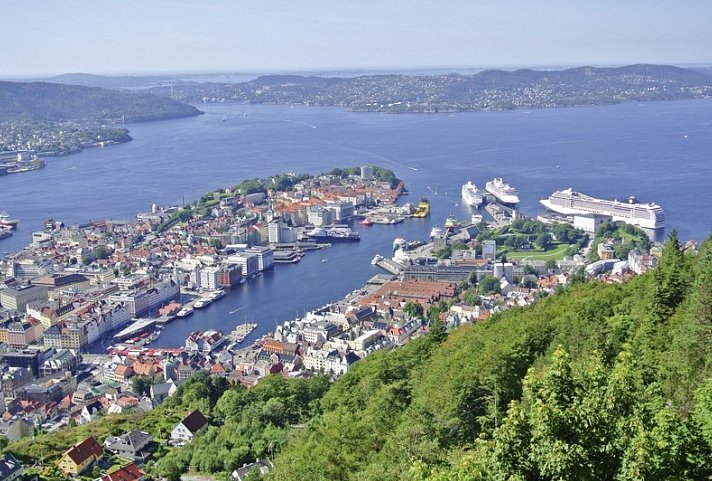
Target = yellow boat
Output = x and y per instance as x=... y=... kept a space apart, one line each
x=423 y=208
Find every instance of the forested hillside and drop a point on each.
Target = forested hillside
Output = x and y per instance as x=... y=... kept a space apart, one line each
x=601 y=382
x=48 y=102
x=597 y=382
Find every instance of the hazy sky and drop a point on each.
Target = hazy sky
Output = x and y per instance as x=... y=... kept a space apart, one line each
x=49 y=36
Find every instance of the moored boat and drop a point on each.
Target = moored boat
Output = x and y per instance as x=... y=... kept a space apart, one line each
x=423 y=209
x=504 y=192
x=471 y=194
x=6 y=221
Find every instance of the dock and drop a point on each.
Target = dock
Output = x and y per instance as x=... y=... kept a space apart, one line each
x=390 y=266
x=136 y=327
x=241 y=332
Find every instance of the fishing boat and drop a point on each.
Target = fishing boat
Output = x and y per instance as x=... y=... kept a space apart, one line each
x=6 y=221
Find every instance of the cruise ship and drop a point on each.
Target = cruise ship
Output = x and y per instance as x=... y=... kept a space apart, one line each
x=570 y=202
x=471 y=194
x=504 y=192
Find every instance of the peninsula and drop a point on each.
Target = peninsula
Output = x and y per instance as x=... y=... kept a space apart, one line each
x=56 y=118
x=486 y=90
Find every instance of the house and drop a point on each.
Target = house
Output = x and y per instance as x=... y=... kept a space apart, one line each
x=81 y=456
x=159 y=392
x=191 y=425
x=134 y=445
x=126 y=473
x=263 y=466
x=91 y=411
x=10 y=469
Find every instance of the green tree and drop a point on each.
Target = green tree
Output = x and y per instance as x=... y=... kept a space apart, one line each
x=413 y=309
x=489 y=285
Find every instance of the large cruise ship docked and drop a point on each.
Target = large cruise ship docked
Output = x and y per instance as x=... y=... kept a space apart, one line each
x=504 y=192
x=471 y=194
x=570 y=202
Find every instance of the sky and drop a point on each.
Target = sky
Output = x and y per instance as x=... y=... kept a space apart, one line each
x=43 y=37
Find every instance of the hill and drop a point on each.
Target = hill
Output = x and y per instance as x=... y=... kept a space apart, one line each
x=50 y=102
x=601 y=381
x=486 y=90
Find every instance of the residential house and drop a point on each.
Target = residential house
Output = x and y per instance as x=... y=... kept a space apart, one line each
x=191 y=425
x=80 y=457
x=91 y=411
x=261 y=465
x=126 y=473
x=159 y=392
x=135 y=445
x=10 y=468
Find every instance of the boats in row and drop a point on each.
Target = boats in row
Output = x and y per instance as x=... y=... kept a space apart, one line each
x=570 y=202
x=497 y=187
x=332 y=234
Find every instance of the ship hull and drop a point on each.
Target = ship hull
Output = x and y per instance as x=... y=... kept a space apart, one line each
x=609 y=209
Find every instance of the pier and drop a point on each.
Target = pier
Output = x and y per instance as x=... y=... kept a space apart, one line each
x=390 y=266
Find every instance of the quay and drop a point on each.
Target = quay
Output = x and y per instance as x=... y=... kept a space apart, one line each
x=135 y=328
x=390 y=266
x=241 y=332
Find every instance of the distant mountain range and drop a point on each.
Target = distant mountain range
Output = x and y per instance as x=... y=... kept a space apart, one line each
x=486 y=90
x=53 y=102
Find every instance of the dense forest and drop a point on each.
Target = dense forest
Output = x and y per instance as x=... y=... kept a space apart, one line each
x=47 y=102
x=601 y=381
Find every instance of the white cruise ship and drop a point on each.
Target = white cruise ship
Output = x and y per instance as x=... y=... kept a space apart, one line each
x=504 y=192
x=569 y=202
x=471 y=194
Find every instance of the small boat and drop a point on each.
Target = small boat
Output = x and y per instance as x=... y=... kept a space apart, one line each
x=323 y=260
x=377 y=258
x=216 y=294
x=5 y=233
x=202 y=302
x=366 y=222
x=6 y=221
x=185 y=312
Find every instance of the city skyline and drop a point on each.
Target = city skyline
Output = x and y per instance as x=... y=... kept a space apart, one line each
x=222 y=36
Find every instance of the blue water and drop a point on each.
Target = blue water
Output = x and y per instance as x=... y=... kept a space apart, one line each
x=656 y=151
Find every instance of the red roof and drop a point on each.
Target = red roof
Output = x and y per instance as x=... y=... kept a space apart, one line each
x=127 y=473
x=79 y=453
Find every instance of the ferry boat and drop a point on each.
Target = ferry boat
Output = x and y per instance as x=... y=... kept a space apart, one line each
x=570 y=202
x=504 y=192
x=185 y=312
x=472 y=195
x=216 y=294
x=202 y=302
x=6 y=221
x=423 y=209
x=333 y=234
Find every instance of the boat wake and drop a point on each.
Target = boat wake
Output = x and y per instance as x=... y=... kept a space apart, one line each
x=234 y=311
x=301 y=123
